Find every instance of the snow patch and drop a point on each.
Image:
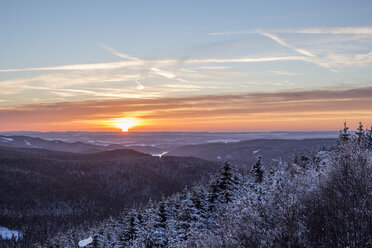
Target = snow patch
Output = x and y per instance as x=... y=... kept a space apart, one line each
x=27 y=143
x=254 y=152
x=158 y=154
x=6 y=233
x=85 y=242
x=3 y=139
x=223 y=140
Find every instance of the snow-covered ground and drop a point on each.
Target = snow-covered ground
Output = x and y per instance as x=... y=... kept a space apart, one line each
x=6 y=233
x=4 y=139
x=85 y=242
x=159 y=154
x=27 y=143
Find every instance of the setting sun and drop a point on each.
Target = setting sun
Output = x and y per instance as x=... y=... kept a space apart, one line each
x=124 y=123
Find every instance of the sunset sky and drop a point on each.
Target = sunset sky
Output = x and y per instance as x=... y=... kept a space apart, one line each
x=185 y=65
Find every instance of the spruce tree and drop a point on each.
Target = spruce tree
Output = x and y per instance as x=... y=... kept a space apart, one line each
x=222 y=188
x=227 y=183
x=159 y=237
x=369 y=138
x=186 y=217
x=130 y=231
x=363 y=137
x=344 y=134
x=257 y=171
x=95 y=241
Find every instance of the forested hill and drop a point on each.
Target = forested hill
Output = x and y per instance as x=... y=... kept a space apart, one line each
x=63 y=146
x=45 y=192
x=324 y=201
x=244 y=153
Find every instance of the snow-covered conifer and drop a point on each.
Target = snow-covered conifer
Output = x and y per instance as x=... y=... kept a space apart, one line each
x=257 y=171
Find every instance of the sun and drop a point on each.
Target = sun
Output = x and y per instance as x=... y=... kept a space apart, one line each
x=124 y=123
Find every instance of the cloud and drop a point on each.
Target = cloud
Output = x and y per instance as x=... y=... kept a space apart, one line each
x=244 y=60
x=80 y=67
x=283 y=73
x=332 y=51
x=215 y=111
x=147 y=65
x=366 y=30
x=331 y=61
x=120 y=54
x=331 y=30
x=214 y=67
x=285 y=44
x=139 y=85
x=232 y=32
x=162 y=73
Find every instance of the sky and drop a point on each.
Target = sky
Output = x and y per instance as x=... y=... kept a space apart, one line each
x=92 y=65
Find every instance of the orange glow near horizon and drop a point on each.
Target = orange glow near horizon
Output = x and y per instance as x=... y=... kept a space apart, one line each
x=280 y=111
x=124 y=123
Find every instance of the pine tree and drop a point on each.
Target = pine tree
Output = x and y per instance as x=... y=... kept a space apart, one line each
x=369 y=138
x=257 y=171
x=131 y=231
x=159 y=237
x=222 y=188
x=95 y=241
x=185 y=218
x=100 y=238
x=344 y=134
x=199 y=204
x=361 y=138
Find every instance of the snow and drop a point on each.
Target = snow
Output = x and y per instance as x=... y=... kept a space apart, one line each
x=6 y=233
x=223 y=140
x=219 y=157
x=27 y=143
x=3 y=139
x=85 y=242
x=254 y=152
x=159 y=154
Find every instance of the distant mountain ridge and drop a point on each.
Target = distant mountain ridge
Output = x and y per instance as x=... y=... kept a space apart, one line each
x=63 y=146
x=242 y=153
x=246 y=152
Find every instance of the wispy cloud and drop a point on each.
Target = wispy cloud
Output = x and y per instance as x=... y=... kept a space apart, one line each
x=80 y=67
x=366 y=30
x=243 y=60
x=285 y=44
x=122 y=64
x=331 y=30
x=214 y=67
x=239 y=32
x=146 y=64
x=162 y=73
x=283 y=73
x=306 y=109
x=120 y=54
x=335 y=53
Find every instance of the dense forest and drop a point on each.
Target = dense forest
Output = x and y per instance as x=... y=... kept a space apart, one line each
x=319 y=201
x=48 y=192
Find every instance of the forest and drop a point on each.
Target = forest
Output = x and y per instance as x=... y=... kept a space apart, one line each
x=323 y=200
x=44 y=192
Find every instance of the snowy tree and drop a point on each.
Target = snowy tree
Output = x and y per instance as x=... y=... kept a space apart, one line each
x=224 y=186
x=159 y=236
x=132 y=230
x=344 y=134
x=369 y=138
x=360 y=132
x=257 y=171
